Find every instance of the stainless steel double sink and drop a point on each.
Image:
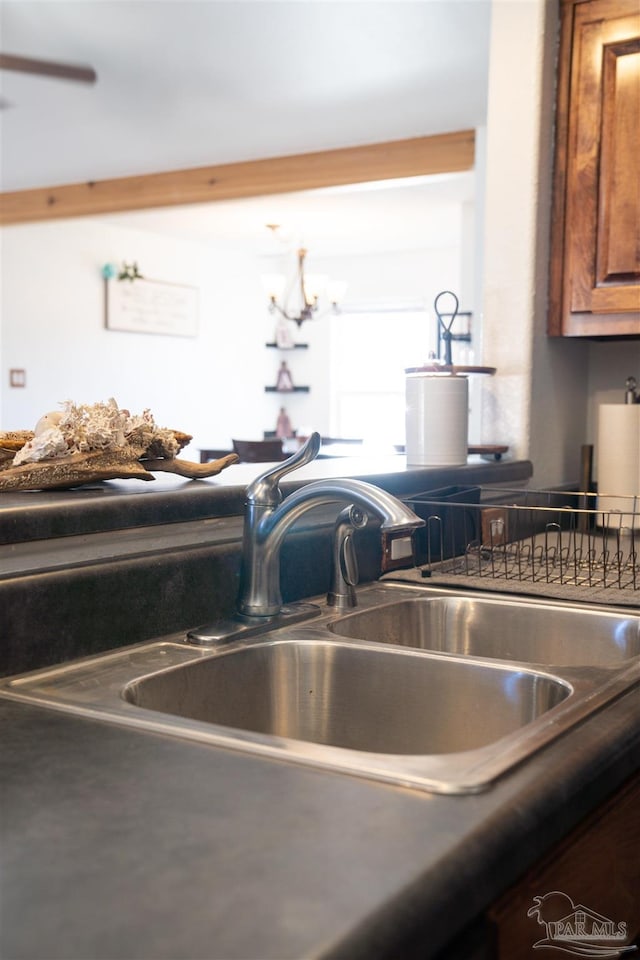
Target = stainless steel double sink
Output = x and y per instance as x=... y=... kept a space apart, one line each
x=433 y=689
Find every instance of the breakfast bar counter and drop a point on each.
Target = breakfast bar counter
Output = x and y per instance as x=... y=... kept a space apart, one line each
x=120 y=843
x=166 y=498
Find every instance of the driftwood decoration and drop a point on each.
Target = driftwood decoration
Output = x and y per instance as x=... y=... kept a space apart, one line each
x=80 y=468
x=131 y=461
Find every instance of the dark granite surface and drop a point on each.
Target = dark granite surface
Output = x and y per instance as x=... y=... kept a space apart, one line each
x=120 y=844
x=127 y=845
x=118 y=504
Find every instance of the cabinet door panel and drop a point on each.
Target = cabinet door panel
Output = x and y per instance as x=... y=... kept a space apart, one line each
x=603 y=189
x=619 y=215
x=595 y=270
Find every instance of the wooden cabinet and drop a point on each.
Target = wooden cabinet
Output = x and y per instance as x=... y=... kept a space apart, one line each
x=595 y=245
x=597 y=866
x=594 y=873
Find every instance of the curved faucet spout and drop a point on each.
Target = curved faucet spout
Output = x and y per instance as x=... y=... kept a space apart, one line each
x=266 y=526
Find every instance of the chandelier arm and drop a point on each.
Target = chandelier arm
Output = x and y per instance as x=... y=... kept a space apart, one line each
x=274 y=305
x=303 y=295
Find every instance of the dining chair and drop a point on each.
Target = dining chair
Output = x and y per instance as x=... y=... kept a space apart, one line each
x=259 y=451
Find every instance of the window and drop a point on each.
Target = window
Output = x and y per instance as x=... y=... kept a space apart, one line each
x=369 y=354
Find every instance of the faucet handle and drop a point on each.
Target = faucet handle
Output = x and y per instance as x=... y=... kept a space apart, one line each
x=342 y=593
x=265 y=489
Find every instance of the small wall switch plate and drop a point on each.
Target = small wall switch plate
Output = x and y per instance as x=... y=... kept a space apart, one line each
x=17 y=377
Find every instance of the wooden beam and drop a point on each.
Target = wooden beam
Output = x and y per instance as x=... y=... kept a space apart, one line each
x=443 y=153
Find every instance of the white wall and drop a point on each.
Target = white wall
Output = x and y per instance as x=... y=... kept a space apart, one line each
x=53 y=327
x=211 y=386
x=516 y=203
x=610 y=363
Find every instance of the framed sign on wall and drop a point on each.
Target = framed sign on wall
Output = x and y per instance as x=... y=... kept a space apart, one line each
x=151 y=306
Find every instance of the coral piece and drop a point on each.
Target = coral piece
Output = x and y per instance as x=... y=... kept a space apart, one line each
x=89 y=443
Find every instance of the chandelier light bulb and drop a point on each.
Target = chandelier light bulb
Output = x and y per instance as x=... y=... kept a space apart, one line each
x=274 y=284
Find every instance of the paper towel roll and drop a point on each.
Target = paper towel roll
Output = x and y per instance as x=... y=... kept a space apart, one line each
x=618 y=458
x=437 y=420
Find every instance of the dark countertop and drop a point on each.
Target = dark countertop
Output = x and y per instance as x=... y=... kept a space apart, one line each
x=120 y=504
x=122 y=844
x=128 y=845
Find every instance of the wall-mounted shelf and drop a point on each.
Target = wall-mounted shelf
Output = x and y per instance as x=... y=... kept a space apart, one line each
x=295 y=390
x=295 y=346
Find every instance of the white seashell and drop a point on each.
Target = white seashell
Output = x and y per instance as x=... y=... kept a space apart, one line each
x=47 y=422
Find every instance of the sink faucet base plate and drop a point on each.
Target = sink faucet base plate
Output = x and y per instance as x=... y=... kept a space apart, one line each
x=238 y=626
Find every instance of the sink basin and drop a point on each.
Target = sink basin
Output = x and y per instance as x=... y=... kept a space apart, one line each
x=539 y=633
x=443 y=693
x=376 y=701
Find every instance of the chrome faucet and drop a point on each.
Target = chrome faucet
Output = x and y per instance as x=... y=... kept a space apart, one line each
x=267 y=519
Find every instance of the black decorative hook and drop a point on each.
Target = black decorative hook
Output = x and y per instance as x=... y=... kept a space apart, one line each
x=444 y=329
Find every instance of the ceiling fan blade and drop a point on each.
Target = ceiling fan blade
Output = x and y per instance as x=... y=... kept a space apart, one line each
x=48 y=68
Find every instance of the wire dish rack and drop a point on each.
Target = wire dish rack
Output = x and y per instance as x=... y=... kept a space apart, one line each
x=531 y=537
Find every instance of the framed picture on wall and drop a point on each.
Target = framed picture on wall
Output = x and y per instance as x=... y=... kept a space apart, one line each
x=151 y=306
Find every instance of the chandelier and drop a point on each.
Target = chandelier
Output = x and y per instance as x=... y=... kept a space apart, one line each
x=301 y=299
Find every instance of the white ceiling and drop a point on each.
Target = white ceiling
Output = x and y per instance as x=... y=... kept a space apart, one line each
x=184 y=83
